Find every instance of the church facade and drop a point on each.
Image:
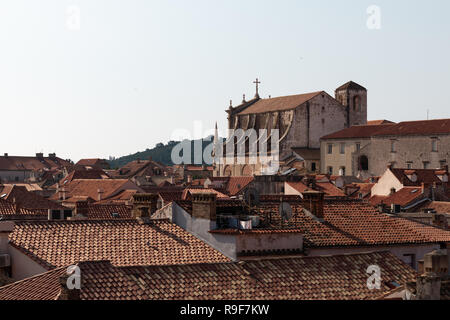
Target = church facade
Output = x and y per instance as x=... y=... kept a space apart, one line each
x=301 y=120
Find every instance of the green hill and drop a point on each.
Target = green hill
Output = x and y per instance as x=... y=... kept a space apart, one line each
x=161 y=153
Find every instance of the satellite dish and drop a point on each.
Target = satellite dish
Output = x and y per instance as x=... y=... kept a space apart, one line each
x=285 y=211
x=251 y=197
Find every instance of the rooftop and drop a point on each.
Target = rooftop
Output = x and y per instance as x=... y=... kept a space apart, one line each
x=342 y=277
x=123 y=242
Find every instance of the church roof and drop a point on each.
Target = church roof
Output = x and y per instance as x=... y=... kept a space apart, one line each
x=279 y=103
x=351 y=86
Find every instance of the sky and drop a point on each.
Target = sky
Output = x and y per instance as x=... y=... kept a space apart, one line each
x=100 y=78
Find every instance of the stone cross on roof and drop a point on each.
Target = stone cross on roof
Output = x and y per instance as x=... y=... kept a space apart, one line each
x=257 y=82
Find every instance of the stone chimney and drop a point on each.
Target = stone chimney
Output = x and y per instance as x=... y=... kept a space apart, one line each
x=428 y=284
x=144 y=205
x=204 y=206
x=313 y=202
x=39 y=155
x=100 y=193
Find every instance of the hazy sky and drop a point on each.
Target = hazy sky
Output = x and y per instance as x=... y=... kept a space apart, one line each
x=134 y=71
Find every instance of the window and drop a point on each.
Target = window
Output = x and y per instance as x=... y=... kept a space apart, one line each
x=409 y=165
x=342 y=148
x=443 y=163
x=330 y=148
x=434 y=145
x=342 y=171
x=426 y=165
x=393 y=146
x=363 y=163
x=358 y=147
x=410 y=259
x=313 y=167
x=330 y=170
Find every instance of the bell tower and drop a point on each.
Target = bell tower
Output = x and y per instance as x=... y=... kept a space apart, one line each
x=354 y=98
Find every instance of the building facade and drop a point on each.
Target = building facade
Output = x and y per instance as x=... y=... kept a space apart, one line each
x=301 y=120
x=366 y=151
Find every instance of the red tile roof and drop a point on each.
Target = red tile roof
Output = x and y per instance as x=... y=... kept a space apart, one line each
x=345 y=223
x=123 y=242
x=402 y=197
x=28 y=200
x=379 y=122
x=31 y=163
x=280 y=103
x=426 y=176
x=342 y=277
x=90 y=187
x=8 y=208
x=97 y=211
x=83 y=174
x=366 y=131
x=328 y=188
x=424 y=127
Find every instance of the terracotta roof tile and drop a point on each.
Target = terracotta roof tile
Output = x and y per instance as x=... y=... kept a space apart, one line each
x=341 y=277
x=402 y=197
x=328 y=188
x=280 y=103
x=123 y=242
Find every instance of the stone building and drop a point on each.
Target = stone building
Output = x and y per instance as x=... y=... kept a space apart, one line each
x=365 y=151
x=301 y=120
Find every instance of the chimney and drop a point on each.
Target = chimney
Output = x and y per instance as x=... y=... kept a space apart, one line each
x=439 y=220
x=6 y=155
x=204 y=206
x=66 y=293
x=313 y=202
x=428 y=284
x=144 y=205
x=100 y=194
x=52 y=155
x=39 y=155
x=81 y=208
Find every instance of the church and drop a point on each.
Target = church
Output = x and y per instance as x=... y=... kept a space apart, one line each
x=301 y=120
